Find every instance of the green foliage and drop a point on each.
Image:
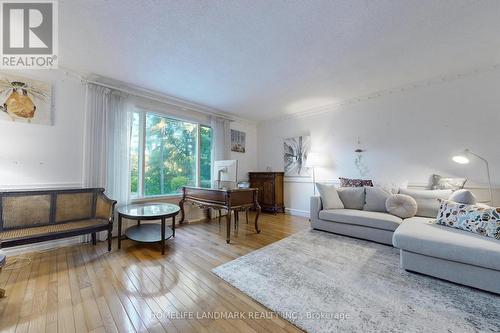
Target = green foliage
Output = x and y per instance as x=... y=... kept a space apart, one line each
x=178 y=182
x=170 y=155
x=205 y=156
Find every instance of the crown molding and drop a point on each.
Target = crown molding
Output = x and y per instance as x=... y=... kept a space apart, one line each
x=400 y=89
x=151 y=95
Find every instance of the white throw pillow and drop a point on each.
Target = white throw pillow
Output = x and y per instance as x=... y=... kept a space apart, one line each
x=329 y=196
x=375 y=198
x=427 y=200
x=401 y=205
x=463 y=197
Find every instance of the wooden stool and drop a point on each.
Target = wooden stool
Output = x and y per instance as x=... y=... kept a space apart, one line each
x=2 y=263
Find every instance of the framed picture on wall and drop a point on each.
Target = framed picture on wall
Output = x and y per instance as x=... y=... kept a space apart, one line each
x=24 y=100
x=295 y=156
x=238 y=141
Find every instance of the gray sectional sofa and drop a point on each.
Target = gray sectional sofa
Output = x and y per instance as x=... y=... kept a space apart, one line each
x=447 y=253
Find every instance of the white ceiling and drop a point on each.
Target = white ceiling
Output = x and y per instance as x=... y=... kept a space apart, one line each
x=264 y=58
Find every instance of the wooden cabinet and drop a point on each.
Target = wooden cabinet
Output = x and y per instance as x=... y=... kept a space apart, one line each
x=270 y=185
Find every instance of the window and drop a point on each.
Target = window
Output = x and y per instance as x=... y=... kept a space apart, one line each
x=167 y=154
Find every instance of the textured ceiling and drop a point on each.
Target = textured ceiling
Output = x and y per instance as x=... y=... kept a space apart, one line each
x=264 y=58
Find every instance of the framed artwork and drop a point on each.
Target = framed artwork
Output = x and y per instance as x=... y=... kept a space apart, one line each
x=25 y=100
x=238 y=141
x=295 y=156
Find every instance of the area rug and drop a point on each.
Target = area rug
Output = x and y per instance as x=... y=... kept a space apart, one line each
x=322 y=282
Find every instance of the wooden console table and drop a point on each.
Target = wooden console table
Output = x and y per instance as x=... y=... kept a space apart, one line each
x=232 y=200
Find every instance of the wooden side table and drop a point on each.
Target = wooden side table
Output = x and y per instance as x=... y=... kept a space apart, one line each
x=2 y=263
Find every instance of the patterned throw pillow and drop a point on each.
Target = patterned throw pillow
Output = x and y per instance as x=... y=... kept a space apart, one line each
x=447 y=183
x=348 y=182
x=480 y=220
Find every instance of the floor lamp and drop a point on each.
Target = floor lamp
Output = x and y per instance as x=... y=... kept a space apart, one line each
x=463 y=159
x=313 y=161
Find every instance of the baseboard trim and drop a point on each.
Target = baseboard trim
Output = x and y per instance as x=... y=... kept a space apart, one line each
x=297 y=212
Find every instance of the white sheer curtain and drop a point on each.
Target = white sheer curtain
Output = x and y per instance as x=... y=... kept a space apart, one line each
x=221 y=138
x=221 y=143
x=107 y=133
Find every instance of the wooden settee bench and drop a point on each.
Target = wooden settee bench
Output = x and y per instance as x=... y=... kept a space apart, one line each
x=31 y=216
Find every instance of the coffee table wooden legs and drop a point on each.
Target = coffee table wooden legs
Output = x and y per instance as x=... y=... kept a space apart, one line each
x=162 y=242
x=119 y=231
x=173 y=226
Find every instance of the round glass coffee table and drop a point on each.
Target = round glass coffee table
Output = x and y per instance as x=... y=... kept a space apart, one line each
x=148 y=232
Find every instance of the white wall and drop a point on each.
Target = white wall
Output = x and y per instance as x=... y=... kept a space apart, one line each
x=39 y=155
x=407 y=136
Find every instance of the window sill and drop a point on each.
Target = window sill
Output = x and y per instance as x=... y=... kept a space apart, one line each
x=156 y=198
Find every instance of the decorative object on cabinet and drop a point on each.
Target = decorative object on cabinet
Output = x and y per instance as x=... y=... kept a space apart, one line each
x=270 y=186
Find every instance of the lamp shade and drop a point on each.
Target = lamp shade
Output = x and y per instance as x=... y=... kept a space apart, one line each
x=315 y=160
x=461 y=159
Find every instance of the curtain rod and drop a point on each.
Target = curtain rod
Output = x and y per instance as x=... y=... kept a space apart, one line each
x=159 y=99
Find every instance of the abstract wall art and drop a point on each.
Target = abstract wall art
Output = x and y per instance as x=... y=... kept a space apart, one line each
x=295 y=156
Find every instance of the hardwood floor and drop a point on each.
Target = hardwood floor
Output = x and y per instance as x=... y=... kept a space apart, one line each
x=83 y=288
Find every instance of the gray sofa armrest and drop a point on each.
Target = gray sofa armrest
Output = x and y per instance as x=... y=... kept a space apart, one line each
x=314 y=209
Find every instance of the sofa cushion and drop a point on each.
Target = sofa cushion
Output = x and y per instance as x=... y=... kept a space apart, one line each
x=352 y=197
x=427 y=200
x=424 y=236
x=375 y=198
x=361 y=217
x=329 y=196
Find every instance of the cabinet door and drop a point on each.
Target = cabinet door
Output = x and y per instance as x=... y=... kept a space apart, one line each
x=258 y=184
x=268 y=193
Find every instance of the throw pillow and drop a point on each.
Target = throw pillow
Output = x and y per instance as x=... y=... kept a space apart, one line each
x=473 y=218
x=375 y=198
x=401 y=205
x=352 y=197
x=348 y=182
x=427 y=200
x=463 y=197
x=447 y=183
x=329 y=197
